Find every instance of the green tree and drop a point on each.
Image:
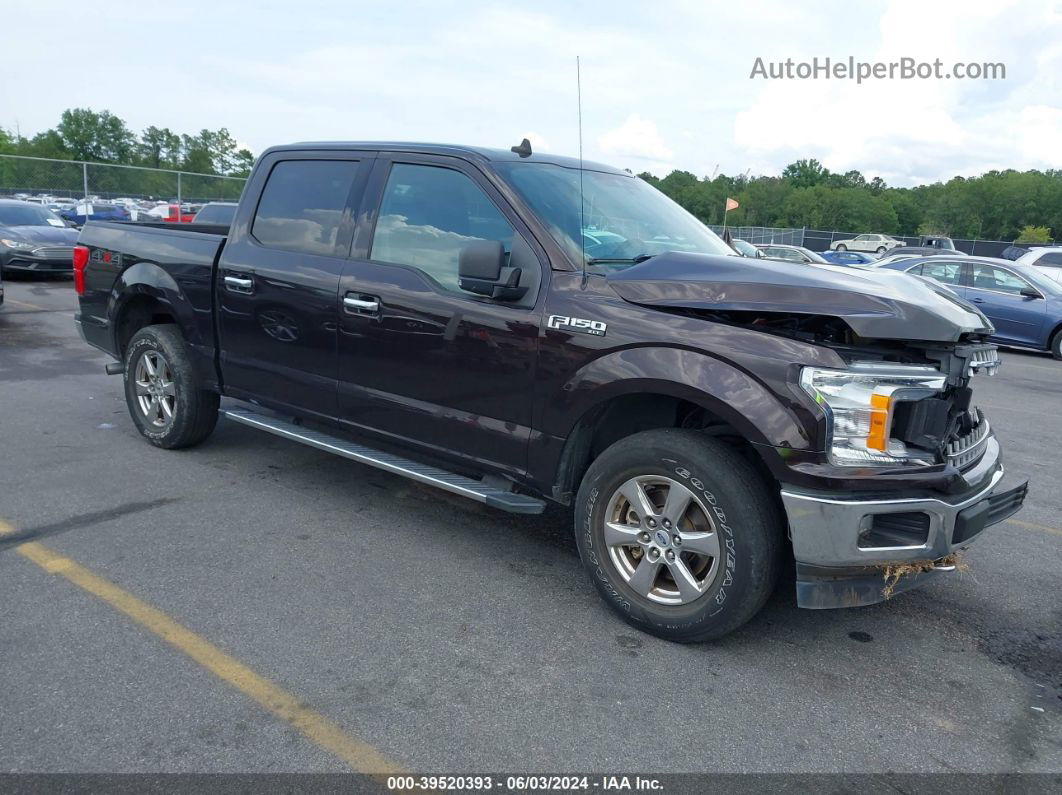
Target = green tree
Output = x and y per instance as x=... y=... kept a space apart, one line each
x=89 y=135
x=805 y=173
x=159 y=148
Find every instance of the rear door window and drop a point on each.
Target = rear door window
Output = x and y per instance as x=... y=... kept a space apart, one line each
x=303 y=204
x=943 y=272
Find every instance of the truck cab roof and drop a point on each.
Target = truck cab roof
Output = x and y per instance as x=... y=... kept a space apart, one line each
x=474 y=153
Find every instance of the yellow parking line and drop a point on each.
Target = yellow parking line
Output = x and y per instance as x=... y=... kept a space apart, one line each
x=27 y=306
x=359 y=755
x=1034 y=526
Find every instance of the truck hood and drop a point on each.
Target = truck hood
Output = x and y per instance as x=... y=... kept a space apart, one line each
x=876 y=304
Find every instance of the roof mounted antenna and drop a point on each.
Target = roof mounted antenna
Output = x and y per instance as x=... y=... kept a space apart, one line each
x=524 y=149
x=582 y=221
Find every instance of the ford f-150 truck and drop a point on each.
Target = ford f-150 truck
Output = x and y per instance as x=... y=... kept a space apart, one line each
x=520 y=328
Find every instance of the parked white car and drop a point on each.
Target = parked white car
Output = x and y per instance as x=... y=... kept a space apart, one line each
x=875 y=243
x=1047 y=259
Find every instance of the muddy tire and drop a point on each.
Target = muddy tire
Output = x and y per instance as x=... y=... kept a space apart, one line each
x=168 y=405
x=680 y=533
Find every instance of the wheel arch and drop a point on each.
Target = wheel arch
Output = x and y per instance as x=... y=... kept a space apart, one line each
x=1051 y=335
x=145 y=294
x=622 y=415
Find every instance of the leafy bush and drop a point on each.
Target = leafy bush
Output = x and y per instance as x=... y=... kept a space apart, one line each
x=1034 y=234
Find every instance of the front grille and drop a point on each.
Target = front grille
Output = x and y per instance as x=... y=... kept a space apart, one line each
x=986 y=359
x=968 y=448
x=54 y=252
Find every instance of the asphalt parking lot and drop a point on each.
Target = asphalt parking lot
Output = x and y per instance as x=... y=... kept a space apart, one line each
x=252 y=605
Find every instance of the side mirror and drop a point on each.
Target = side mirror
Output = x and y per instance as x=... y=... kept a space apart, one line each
x=481 y=270
x=1030 y=292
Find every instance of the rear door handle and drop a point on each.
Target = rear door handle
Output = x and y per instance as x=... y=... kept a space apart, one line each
x=239 y=284
x=361 y=304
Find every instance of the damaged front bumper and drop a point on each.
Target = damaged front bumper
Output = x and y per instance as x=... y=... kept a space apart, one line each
x=844 y=546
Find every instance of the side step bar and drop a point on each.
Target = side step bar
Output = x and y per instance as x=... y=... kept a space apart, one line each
x=477 y=490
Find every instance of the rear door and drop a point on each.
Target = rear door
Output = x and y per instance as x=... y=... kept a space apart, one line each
x=421 y=361
x=996 y=291
x=278 y=279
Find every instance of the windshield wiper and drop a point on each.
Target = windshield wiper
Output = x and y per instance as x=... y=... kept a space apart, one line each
x=613 y=260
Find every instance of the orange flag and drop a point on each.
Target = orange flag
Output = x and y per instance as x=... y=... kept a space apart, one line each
x=731 y=204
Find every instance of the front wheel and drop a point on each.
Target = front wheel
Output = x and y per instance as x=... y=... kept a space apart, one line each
x=680 y=534
x=165 y=400
x=841 y=247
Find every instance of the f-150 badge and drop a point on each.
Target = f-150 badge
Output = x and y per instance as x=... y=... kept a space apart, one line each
x=582 y=325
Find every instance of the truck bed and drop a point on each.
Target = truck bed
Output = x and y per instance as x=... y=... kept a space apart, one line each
x=168 y=262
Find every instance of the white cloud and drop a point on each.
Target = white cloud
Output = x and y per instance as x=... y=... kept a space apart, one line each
x=911 y=130
x=636 y=138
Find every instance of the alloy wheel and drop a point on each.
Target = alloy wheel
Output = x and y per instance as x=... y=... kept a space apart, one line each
x=156 y=392
x=661 y=539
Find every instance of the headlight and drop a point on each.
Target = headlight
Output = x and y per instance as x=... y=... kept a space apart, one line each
x=16 y=243
x=859 y=405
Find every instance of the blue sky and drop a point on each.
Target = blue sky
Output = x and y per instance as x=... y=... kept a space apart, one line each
x=665 y=85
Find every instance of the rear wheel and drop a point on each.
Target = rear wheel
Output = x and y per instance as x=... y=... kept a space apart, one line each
x=881 y=250
x=165 y=400
x=1056 y=345
x=680 y=534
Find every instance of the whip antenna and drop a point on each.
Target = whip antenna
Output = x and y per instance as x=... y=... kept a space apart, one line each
x=582 y=220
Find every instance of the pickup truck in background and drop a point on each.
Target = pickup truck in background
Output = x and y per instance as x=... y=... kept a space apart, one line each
x=520 y=328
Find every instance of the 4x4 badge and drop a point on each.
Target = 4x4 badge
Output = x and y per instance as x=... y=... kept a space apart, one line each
x=582 y=325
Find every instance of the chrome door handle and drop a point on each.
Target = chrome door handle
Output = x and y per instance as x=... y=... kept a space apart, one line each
x=361 y=305
x=238 y=284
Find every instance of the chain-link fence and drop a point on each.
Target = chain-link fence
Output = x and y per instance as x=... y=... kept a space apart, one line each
x=762 y=234
x=820 y=239
x=37 y=177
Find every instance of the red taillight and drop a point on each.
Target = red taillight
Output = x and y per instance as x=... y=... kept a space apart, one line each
x=81 y=258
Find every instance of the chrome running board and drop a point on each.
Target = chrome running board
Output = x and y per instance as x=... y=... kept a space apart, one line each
x=480 y=491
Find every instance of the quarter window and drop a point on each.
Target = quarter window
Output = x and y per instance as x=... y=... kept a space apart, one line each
x=302 y=205
x=1050 y=259
x=428 y=214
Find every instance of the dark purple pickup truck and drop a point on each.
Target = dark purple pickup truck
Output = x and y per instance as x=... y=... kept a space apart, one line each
x=520 y=328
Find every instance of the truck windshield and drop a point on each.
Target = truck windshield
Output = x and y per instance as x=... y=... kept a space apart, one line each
x=624 y=219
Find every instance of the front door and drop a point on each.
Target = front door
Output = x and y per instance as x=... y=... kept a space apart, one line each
x=278 y=281
x=421 y=361
x=997 y=292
